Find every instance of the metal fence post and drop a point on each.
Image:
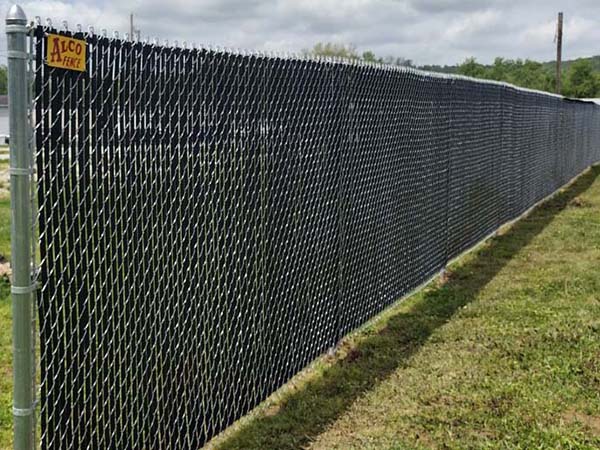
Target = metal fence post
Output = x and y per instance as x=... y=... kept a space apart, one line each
x=20 y=179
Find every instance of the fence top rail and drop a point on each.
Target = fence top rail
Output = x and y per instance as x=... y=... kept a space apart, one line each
x=154 y=42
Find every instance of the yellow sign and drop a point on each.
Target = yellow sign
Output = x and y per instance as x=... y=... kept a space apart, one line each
x=65 y=52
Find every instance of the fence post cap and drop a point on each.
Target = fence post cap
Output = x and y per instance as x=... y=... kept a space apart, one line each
x=16 y=15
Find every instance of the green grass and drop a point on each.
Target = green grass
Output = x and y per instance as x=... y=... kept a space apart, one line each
x=5 y=320
x=502 y=353
x=6 y=381
x=5 y=330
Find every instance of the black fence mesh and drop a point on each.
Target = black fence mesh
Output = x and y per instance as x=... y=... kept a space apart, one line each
x=211 y=222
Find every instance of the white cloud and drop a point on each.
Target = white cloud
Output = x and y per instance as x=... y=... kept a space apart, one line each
x=470 y=25
x=427 y=31
x=539 y=34
x=579 y=28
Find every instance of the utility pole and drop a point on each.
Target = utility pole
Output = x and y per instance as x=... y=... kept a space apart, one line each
x=559 y=37
x=132 y=30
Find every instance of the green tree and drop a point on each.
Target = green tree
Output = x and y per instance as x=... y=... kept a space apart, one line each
x=581 y=81
x=333 y=50
x=499 y=70
x=471 y=68
x=398 y=61
x=350 y=52
x=528 y=74
x=369 y=56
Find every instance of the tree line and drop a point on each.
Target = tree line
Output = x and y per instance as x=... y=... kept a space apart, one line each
x=581 y=77
x=329 y=49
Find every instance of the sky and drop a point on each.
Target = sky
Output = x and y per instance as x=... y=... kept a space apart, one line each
x=425 y=31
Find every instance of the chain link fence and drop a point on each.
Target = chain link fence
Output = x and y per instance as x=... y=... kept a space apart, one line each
x=210 y=222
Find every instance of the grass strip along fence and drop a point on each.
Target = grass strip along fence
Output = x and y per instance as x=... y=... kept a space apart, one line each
x=210 y=222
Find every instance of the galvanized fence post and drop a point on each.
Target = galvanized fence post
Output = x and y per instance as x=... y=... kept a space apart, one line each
x=20 y=190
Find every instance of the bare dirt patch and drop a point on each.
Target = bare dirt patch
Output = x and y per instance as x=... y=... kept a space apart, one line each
x=589 y=421
x=5 y=270
x=445 y=277
x=578 y=202
x=4 y=182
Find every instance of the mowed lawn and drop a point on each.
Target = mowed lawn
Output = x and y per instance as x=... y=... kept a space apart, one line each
x=5 y=316
x=502 y=353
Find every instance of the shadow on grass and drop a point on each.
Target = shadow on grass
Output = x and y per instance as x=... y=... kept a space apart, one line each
x=305 y=413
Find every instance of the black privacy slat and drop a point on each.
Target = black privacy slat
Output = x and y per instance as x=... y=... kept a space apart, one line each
x=211 y=222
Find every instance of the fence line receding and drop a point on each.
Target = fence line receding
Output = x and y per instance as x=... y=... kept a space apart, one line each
x=210 y=222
